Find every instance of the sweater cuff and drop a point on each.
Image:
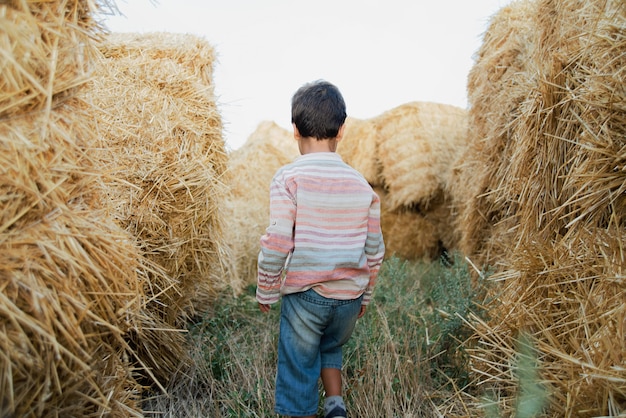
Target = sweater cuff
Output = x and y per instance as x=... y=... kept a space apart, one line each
x=367 y=298
x=267 y=298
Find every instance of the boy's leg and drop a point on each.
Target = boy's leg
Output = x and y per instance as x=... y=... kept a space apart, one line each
x=333 y=404
x=335 y=336
x=331 y=379
x=299 y=362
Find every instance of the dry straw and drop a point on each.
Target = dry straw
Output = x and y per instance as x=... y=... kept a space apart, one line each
x=407 y=233
x=251 y=168
x=417 y=143
x=552 y=201
x=160 y=148
x=64 y=310
x=497 y=83
x=45 y=53
x=70 y=290
x=359 y=148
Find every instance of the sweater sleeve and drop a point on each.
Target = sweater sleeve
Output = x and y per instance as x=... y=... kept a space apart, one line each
x=374 y=247
x=276 y=244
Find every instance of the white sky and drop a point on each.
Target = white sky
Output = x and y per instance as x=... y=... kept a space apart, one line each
x=380 y=53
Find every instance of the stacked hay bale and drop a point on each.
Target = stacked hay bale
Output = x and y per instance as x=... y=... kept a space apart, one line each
x=70 y=290
x=418 y=143
x=251 y=169
x=159 y=145
x=559 y=187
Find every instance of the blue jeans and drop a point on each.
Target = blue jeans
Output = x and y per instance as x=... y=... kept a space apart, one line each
x=313 y=330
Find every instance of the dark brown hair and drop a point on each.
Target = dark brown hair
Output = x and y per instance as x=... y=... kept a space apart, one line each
x=318 y=110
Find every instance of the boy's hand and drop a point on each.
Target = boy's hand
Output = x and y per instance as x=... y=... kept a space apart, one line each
x=363 y=308
x=264 y=308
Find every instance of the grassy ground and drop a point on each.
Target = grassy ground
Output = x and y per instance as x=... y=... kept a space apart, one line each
x=404 y=359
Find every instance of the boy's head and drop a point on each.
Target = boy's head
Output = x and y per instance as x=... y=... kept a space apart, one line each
x=318 y=110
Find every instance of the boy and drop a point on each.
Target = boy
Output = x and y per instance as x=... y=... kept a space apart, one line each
x=325 y=236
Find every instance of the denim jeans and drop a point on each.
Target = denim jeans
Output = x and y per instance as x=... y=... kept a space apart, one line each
x=313 y=330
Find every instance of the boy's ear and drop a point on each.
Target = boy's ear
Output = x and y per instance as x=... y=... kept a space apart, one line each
x=340 y=133
x=296 y=132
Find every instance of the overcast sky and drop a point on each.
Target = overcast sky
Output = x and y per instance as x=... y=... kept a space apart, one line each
x=380 y=53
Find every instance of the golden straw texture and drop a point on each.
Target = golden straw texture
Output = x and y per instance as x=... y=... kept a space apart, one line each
x=407 y=233
x=161 y=146
x=497 y=84
x=45 y=52
x=69 y=285
x=359 y=148
x=557 y=185
x=418 y=142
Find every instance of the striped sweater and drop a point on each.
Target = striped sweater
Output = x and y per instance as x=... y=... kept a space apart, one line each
x=324 y=232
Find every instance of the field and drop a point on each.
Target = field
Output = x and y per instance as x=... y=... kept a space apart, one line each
x=405 y=359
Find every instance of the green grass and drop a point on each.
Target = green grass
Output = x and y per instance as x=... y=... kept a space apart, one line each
x=405 y=358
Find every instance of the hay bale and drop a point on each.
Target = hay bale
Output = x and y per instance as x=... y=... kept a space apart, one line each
x=161 y=147
x=407 y=233
x=191 y=53
x=45 y=52
x=64 y=312
x=359 y=148
x=251 y=168
x=561 y=268
x=417 y=144
x=497 y=84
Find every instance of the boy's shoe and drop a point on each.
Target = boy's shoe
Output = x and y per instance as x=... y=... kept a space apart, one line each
x=337 y=412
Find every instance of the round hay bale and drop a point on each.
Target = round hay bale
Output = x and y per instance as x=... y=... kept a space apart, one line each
x=359 y=148
x=417 y=144
x=251 y=168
